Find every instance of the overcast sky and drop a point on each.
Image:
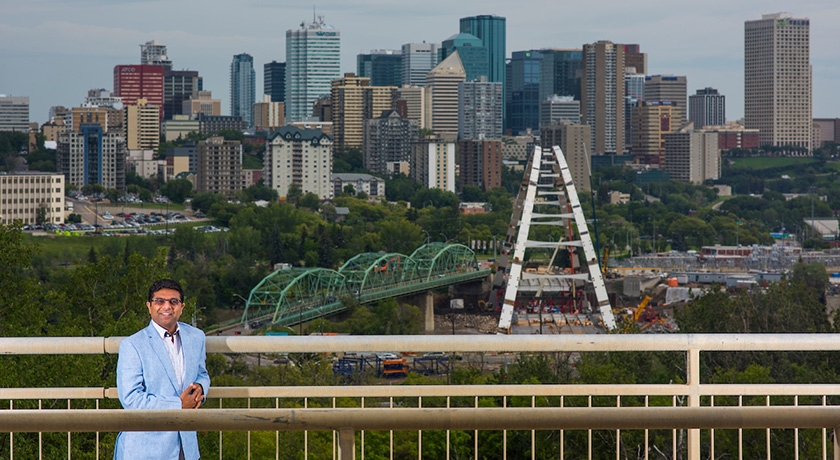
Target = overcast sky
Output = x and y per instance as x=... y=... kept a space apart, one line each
x=54 y=51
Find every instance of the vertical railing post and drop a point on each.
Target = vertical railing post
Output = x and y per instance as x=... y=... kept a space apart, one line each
x=693 y=400
x=346 y=445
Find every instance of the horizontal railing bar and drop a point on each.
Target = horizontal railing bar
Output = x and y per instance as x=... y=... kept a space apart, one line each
x=386 y=391
x=448 y=343
x=625 y=418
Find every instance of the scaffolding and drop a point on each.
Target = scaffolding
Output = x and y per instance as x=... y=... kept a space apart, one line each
x=547 y=184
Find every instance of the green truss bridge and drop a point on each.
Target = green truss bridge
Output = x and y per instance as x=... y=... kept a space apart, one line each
x=295 y=295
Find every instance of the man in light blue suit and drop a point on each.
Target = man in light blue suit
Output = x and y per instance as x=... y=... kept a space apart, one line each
x=162 y=367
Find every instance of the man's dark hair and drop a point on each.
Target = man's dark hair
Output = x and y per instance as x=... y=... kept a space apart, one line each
x=165 y=284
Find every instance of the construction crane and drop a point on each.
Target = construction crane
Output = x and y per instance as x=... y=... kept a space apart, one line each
x=605 y=264
x=637 y=314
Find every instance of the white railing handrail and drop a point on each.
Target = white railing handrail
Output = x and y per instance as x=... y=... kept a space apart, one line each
x=448 y=343
x=510 y=418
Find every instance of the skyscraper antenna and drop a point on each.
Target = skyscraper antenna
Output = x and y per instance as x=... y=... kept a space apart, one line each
x=313 y=14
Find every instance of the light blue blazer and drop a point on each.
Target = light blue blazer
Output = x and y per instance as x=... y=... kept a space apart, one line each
x=146 y=380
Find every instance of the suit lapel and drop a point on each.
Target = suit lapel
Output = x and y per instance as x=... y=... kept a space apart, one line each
x=161 y=353
x=190 y=350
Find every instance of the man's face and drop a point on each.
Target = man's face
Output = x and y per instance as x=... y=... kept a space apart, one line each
x=166 y=315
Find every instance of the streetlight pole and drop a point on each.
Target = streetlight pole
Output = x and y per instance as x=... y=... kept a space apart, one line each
x=444 y=237
x=427 y=236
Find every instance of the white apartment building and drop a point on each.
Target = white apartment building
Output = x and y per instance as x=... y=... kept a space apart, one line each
x=433 y=163
x=298 y=156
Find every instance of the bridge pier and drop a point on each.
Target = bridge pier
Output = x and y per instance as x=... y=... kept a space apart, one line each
x=426 y=302
x=429 y=312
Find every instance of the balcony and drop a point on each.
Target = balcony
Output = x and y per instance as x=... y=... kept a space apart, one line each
x=696 y=420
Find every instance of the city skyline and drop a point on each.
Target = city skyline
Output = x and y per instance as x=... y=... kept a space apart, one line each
x=708 y=47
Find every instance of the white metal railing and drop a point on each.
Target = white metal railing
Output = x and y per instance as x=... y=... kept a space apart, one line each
x=685 y=412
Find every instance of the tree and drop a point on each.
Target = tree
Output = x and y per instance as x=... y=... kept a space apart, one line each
x=349 y=189
x=309 y=201
x=294 y=193
x=204 y=201
x=258 y=192
x=177 y=190
x=400 y=236
x=471 y=193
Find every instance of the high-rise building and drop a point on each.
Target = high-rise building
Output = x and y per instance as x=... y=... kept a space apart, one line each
x=651 y=122
x=417 y=60
x=433 y=163
x=383 y=67
x=480 y=163
x=480 y=109
x=179 y=86
x=322 y=110
x=470 y=51
x=522 y=92
x=141 y=125
x=32 y=198
x=154 y=53
x=634 y=91
x=635 y=59
x=298 y=156
x=179 y=127
x=353 y=101
x=202 y=102
x=491 y=30
x=829 y=131
x=442 y=96
x=213 y=124
x=734 y=136
x=560 y=73
x=707 y=107
x=243 y=88
x=388 y=140
x=132 y=82
x=312 y=62
x=573 y=140
x=777 y=79
x=219 y=166
x=269 y=114
x=414 y=97
x=180 y=160
x=557 y=108
x=109 y=118
x=692 y=156
x=602 y=95
x=14 y=113
x=671 y=88
x=274 y=80
x=90 y=155
x=103 y=98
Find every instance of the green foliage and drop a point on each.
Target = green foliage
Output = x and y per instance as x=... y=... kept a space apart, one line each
x=204 y=201
x=388 y=317
x=309 y=201
x=401 y=188
x=177 y=190
x=258 y=192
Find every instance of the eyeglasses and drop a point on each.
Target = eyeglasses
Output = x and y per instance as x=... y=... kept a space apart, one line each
x=173 y=301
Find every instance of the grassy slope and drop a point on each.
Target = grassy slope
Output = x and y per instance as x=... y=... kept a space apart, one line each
x=768 y=162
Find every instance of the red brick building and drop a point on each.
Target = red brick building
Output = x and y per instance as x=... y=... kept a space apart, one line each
x=132 y=82
x=481 y=163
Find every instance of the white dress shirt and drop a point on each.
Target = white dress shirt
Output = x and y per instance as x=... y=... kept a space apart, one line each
x=176 y=353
